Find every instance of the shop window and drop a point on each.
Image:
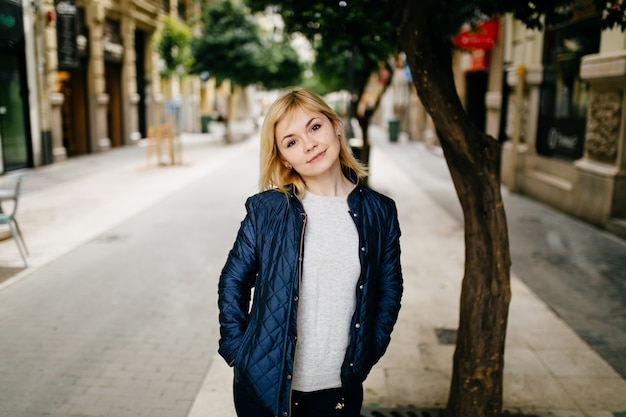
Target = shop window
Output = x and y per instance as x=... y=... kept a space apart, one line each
x=14 y=136
x=564 y=95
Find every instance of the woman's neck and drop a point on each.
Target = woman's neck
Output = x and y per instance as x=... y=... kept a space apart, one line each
x=333 y=186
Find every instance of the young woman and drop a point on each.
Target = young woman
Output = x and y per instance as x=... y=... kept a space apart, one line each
x=322 y=252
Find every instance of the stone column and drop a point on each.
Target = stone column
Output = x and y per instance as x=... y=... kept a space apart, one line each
x=519 y=151
x=129 y=80
x=600 y=189
x=59 y=153
x=55 y=98
x=98 y=99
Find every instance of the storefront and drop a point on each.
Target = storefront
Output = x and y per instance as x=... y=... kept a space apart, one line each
x=15 y=143
x=72 y=42
x=565 y=118
x=97 y=82
x=77 y=77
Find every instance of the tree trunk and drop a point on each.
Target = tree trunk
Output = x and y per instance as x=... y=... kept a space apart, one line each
x=365 y=118
x=230 y=114
x=364 y=124
x=472 y=158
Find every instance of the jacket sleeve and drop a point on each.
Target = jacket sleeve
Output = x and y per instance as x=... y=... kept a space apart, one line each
x=235 y=287
x=390 y=283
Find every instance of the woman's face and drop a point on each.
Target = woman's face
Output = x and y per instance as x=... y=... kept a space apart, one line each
x=308 y=142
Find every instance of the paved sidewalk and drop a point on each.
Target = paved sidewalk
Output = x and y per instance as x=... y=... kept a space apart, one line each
x=65 y=204
x=549 y=370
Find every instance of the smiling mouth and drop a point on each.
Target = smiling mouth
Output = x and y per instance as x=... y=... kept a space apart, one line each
x=317 y=157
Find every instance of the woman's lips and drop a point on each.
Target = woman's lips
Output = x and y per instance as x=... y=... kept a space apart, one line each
x=317 y=157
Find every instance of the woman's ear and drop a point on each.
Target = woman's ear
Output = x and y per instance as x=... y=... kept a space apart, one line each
x=337 y=129
x=286 y=164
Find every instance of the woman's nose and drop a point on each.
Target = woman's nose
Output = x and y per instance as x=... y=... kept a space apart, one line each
x=309 y=145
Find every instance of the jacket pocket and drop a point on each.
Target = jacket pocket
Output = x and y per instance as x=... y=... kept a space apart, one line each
x=243 y=347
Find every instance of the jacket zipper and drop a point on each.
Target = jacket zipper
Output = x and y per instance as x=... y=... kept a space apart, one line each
x=300 y=265
x=358 y=294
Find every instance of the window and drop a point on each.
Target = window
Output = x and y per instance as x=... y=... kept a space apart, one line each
x=564 y=96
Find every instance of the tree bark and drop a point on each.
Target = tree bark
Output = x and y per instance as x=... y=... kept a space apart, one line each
x=472 y=158
x=230 y=114
x=364 y=124
x=365 y=118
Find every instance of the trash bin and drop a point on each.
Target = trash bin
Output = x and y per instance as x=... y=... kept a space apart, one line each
x=394 y=129
x=46 y=148
x=205 y=121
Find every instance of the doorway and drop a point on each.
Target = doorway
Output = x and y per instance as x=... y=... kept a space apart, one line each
x=476 y=88
x=113 y=77
x=140 y=70
x=75 y=118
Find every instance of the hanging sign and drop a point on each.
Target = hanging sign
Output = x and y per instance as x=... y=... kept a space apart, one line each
x=484 y=36
x=67 y=32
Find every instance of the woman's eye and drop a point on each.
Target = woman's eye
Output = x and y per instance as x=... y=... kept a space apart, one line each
x=316 y=127
x=291 y=143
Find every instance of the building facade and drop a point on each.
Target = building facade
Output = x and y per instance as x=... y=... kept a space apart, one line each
x=557 y=100
x=83 y=77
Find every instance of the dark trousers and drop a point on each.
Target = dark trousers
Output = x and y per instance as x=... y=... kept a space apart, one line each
x=325 y=403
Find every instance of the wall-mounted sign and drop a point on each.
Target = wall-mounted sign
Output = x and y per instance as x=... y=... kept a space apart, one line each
x=67 y=32
x=477 y=44
x=484 y=36
x=11 y=22
x=112 y=41
x=476 y=59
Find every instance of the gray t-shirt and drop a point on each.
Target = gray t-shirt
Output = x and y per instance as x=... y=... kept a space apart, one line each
x=331 y=270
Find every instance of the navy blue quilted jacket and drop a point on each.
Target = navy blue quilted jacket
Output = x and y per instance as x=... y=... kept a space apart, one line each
x=260 y=342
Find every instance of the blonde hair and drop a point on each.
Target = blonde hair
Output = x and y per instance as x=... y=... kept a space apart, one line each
x=274 y=174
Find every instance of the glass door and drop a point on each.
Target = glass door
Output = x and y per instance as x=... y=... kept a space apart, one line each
x=13 y=136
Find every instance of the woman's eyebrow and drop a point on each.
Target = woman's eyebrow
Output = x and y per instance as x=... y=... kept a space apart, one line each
x=289 y=135
x=311 y=121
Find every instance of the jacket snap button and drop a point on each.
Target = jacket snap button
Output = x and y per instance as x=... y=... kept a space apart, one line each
x=361 y=286
x=362 y=248
x=288 y=376
x=295 y=298
x=358 y=326
x=356 y=215
x=351 y=364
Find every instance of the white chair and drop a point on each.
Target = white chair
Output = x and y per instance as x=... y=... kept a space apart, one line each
x=9 y=217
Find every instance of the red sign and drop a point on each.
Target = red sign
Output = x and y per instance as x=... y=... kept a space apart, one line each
x=483 y=37
x=480 y=59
